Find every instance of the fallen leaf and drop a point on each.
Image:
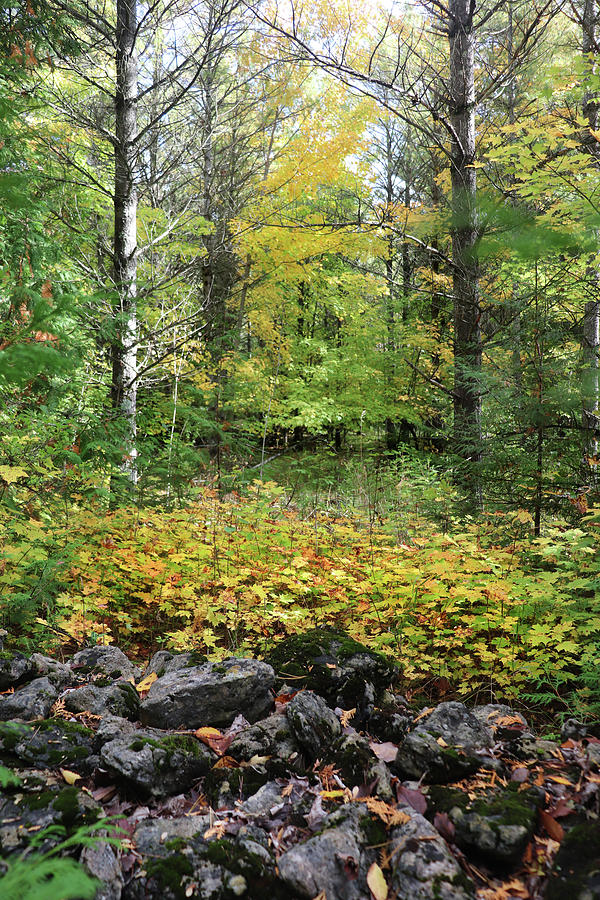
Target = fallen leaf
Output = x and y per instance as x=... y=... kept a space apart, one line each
x=559 y=780
x=377 y=883
x=441 y=742
x=388 y=814
x=386 y=751
x=226 y=762
x=332 y=795
x=424 y=712
x=70 y=777
x=445 y=826
x=214 y=739
x=416 y=799
x=146 y=683
x=553 y=828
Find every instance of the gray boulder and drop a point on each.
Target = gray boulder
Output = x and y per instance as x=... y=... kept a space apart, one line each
x=163 y=662
x=422 y=865
x=154 y=763
x=334 y=862
x=445 y=746
x=14 y=669
x=108 y=661
x=505 y=723
x=271 y=737
x=212 y=694
x=58 y=673
x=153 y=836
x=102 y=863
x=118 y=699
x=31 y=701
x=313 y=723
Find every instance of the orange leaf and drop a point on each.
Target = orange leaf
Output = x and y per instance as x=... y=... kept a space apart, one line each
x=552 y=827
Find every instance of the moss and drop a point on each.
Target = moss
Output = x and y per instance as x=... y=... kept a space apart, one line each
x=137 y=746
x=577 y=863
x=443 y=799
x=69 y=804
x=236 y=858
x=11 y=733
x=196 y=659
x=374 y=831
x=296 y=654
x=170 y=872
x=68 y=729
x=38 y=801
x=509 y=808
x=175 y=844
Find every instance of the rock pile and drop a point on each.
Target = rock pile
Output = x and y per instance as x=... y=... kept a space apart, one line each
x=302 y=776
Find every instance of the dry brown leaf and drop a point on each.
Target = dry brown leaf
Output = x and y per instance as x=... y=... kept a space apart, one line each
x=559 y=780
x=321 y=896
x=287 y=790
x=346 y=715
x=390 y=815
x=424 y=712
x=441 y=742
x=217 y=831
x=386 y=751
x=553 y=828
x=377 y=883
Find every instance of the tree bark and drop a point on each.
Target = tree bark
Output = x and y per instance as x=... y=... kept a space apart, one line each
x=591 y=318
x=467 y=328
x=125 y=342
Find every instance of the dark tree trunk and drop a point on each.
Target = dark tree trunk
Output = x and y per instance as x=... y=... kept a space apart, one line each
x=467 y=328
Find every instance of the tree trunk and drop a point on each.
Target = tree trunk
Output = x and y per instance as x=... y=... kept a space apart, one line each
x=591 y=318
x=467 y=329
x=125 y=343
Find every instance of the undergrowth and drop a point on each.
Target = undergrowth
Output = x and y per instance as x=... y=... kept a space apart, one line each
x=481 y=611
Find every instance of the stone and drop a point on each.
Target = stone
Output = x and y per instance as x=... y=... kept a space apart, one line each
x=118 y=699
x=497 y=827
x=154 y=763
x=51 y=743
x=387 y=725
x=313 y=723
x=152 y=837
x=576 y=870
x=102 y=863
x=108 y=661
x=212 y=694
x=422 y=865
x=163 y=662
x=457 y=725
x=15 y=668
x=334 y=862
x=505 y=723
x=420 y=755
x=31 y=701
x=27 y=812
x=271 y=737
x=58 y=673
x=343 y=671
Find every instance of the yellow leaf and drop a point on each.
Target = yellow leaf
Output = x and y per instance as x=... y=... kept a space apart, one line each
x=70 y=777
x=208 y=733
x=10 y=474
x=442 y=742
x=377 y=883
x=332 y=795
x=146 y=683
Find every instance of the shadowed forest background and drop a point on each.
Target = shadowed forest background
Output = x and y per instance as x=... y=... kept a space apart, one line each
x=299 y=326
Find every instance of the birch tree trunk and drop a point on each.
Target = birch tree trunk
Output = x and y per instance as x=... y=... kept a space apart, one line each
x=467 y=328
x=125 y=342
x=591 y=317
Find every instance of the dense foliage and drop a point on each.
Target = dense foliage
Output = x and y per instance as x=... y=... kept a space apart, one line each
x=303 y=253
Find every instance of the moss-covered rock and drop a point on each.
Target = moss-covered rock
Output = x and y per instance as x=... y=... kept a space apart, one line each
x=49 y=743
x=576 y=871
x=333 y=665
x=498 y=826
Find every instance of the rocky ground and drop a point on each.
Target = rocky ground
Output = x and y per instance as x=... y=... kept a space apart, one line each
x=301 y=776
